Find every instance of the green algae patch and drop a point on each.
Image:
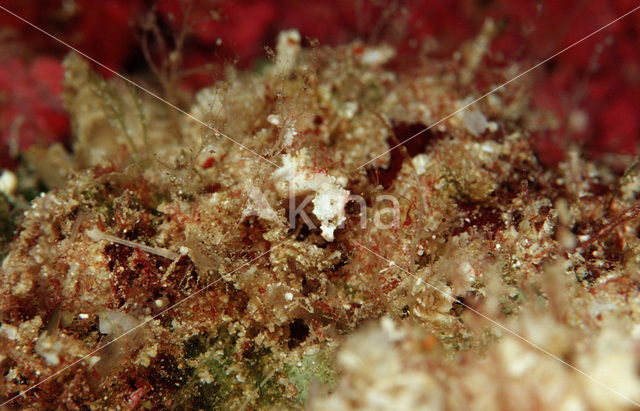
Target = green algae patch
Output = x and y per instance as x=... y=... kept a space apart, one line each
x=312 y=368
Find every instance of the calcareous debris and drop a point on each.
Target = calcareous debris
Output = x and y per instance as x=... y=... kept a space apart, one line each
x=368 y=297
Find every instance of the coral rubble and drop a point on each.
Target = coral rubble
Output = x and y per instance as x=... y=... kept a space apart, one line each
x=171 y=245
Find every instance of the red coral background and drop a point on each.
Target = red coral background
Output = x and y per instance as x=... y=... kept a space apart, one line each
x=594 y=88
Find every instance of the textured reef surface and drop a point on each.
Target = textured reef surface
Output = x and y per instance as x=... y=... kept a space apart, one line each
x=406 y=279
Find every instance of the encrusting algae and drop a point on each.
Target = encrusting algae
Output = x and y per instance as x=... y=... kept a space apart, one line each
x=304 y=280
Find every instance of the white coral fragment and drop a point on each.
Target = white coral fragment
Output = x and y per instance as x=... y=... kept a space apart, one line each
x=422 y=163
x=474 y=121
x=289 y=135
x=329 y=195
x=49 y=348
x=377 y=56
x=111 y=321
x=8 y=183
x=288 y=49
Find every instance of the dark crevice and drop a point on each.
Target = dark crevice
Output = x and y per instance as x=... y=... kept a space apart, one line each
x=298 y=332
x=415 y=139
